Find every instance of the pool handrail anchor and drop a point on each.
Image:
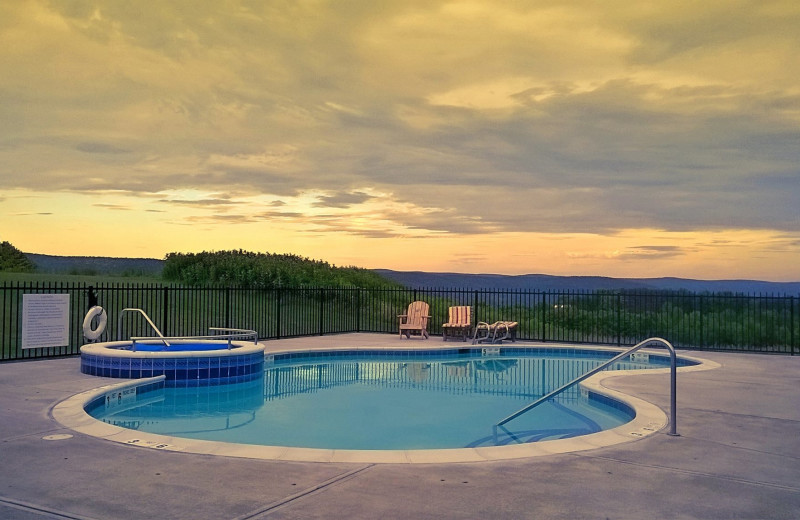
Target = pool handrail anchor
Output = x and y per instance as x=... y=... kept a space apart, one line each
x=146 y=317
x=648 y=342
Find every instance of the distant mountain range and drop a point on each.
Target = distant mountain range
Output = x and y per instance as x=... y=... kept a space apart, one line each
x=543 y=282
x=531 y=282
x=95 y=264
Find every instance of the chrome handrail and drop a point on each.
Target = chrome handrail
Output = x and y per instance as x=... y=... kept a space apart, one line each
x=247 y=333
x=641 y=344
x=146 y=317
x=234 y=334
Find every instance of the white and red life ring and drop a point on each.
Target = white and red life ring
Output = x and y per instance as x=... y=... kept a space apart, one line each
x=102 y=319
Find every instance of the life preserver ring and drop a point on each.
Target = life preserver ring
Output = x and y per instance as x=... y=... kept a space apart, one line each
x=88 y=332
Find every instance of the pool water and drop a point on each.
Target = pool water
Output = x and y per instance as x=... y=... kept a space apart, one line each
x=384 y=402
x=177 y=347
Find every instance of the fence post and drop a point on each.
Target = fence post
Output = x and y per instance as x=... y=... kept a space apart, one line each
x=791 y=326
x=165 y=311
x=544 y=318
x=702 y=341
x=278 y=298
x=358 y=309
x=619 y=319
x=321 y=311
x=227 y=307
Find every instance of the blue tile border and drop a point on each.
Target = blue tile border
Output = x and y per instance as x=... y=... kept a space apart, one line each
x=195 y=371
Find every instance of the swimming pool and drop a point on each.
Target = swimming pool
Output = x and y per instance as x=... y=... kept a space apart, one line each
x=388 y=400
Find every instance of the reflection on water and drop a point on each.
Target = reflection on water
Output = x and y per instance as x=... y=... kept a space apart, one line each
x=380 y=404
x=525 y=378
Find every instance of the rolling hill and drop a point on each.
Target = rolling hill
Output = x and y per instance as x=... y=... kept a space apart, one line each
x=95 y=264
x=532 y=282
x=542 y=282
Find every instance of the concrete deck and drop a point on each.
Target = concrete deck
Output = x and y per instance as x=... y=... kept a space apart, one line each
x=737 y=456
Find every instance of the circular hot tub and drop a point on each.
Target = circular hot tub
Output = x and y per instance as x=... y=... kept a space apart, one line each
x=182 y=362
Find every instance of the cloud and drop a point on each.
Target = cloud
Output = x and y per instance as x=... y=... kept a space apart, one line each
x=341 y=200
x=117 y=207
x=101 y=148
x=205 y=202
x=470 y=117
x=652 y=252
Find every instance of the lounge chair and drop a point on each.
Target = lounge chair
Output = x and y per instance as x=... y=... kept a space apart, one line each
x=495 y=332
x=415 y=320
x=459 y=323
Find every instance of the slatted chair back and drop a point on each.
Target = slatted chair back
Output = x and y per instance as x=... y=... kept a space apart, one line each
x=418 y=314
x=459 y=315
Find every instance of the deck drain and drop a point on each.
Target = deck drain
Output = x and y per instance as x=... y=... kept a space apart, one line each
x=57 y=437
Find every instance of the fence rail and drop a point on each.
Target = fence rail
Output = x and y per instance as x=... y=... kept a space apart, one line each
x=735 y=322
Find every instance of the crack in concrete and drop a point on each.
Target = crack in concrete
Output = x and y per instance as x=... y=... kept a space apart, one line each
x=40 y=510
x=684 y=471
x=269 y=508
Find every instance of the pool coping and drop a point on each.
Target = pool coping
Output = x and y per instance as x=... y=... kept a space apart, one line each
x=649 y=420
x=111 y=349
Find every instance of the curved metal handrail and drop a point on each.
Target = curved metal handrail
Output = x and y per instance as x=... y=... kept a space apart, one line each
x=146 y=317
x=234 y=334
x=641 y=344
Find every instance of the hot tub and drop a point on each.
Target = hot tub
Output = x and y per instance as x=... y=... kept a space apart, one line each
x=182 y=362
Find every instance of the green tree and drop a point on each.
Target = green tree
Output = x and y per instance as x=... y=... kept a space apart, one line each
x=12 y=259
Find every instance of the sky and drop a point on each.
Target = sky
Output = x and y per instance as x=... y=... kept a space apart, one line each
x=616 y=138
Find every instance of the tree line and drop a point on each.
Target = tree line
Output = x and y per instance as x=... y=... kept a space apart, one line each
x=238 y=268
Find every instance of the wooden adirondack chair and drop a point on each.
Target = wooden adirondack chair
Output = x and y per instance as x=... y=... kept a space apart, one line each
x=459 y=323
x=415 y=320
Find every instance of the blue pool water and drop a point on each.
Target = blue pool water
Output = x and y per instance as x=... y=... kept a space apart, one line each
x=178 y=347
x=379 y=401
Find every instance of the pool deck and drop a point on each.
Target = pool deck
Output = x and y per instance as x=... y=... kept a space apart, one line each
x=737 y=456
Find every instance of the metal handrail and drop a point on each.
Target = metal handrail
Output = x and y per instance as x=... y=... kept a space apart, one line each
x=245 y=333
x=146 y=317
x=642 y=344
x=234 y=333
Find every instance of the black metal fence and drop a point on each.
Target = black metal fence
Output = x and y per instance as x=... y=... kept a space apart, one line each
x=752 y=323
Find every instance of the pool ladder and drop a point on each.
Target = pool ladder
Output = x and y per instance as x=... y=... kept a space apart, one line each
x=648 y=342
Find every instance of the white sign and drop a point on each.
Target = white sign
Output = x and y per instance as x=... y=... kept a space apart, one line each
x=45 y=320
